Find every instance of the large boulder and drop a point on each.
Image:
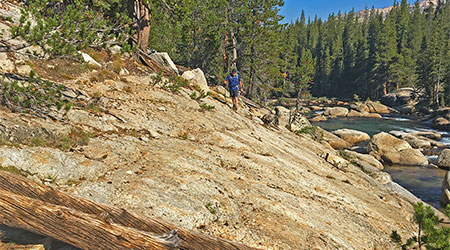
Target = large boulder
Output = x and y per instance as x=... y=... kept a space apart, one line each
x=352 y=136
x=371 y=115
x=441 y=123
x=298 y=122
x=318 y=118
x=395 y=151
x=366 y=158
x=361 y=107
x=429 y=134
x=222 y=90
x=418 y=142
x=406 y=157
x=445 y=195
x=335 y=141
x=354 y=113
x=444 y=159
x=164 y=61
x=283 y=112
x=196 y=77
x=400 y=97
x=376 y=107
x=336 y=112
x=406 y=109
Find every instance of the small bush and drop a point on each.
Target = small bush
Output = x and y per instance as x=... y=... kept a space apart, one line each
x=206 y=107
x=211 y=208
x=175 y=84
x=183 y=134
x=15 y=170
x=313 y=131
x=157 y=79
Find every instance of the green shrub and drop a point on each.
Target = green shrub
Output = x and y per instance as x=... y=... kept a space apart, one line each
x=63 y=27
x=430 y=233
x=206 y=107
x=313 y=131
x=175 y=83
x=211 y=208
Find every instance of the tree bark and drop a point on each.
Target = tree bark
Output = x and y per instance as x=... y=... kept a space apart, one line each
x=235 y=52
x=18 y=185
x=143 y=15
x=73 y=227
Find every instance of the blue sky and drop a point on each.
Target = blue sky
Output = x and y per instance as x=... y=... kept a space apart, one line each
x=293 y=8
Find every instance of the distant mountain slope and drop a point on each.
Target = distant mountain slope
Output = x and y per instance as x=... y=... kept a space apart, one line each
x=424 y=4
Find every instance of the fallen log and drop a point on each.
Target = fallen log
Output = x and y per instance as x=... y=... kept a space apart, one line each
x=73 y=227
x=22 y=186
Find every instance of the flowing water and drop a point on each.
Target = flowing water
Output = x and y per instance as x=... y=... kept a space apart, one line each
x=424 y=182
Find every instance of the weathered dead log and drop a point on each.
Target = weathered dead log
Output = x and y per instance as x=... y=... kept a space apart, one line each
x=20 y=185
x=73 y=227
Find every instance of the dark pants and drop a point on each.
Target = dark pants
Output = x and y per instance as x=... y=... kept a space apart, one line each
x=234 y=93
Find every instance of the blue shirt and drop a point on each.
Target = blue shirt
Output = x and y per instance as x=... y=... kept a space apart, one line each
x=233 y=81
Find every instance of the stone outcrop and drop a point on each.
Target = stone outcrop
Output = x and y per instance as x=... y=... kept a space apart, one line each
x=197 y=77
x=376 y=107
x=298 y=122
x=399 y=98
x=51 y=165
x=395 y=151
x=441 y=123
x=420 y=140
x=361 y=107
x=444 y=159
x=354 y=113
x=352 y=136
x=336 y=112
x=365 y=159
x=445 y=196
x=318 y=118
x=335 y=141
x=164 y=60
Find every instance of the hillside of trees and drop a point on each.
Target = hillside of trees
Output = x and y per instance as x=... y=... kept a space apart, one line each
x=345 y=55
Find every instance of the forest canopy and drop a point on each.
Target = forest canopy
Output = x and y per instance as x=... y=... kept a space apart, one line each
x=366 y=53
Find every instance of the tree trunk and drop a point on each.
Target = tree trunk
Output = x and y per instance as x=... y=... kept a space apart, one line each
x=235 y=52
x=46 y=196
x=143 y=14
x=73 y=227
x=225 y=56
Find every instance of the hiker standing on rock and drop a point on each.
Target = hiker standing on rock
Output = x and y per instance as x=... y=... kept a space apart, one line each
x=234 y=83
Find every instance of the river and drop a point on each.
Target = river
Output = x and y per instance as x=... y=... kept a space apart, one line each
x=424 y=182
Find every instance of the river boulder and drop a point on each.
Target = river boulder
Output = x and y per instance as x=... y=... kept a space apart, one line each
x=395 y=151
x=336 y=112
x=376 y=107
x=366 y=158
x=354 y=113
x=352 y=136
x=371 y=115
x=444 y=159
x=318 y=118
x=441 y=123
x=400 y=97
x=429 y=134
x=335 y=141
x=445 y=196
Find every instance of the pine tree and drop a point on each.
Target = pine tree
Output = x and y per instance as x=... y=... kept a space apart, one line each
x=386 y=66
